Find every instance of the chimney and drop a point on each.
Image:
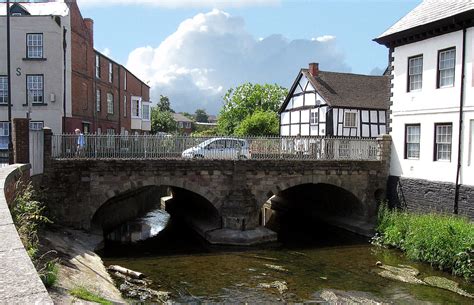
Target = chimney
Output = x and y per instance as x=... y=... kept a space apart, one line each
x=90 y=26
x=314 y=69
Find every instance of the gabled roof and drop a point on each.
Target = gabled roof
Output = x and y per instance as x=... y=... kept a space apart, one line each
x=178 y=117
x=38 y=9
x=427 y=16
x=347 y=90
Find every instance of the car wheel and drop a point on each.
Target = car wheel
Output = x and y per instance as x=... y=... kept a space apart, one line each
x=243 y=157
x=198 y=157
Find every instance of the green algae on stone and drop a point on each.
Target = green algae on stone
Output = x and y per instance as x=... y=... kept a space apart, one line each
x=444 y=283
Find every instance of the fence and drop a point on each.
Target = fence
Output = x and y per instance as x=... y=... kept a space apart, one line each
x=177 y=147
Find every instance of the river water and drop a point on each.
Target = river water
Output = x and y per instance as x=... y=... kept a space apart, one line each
x=311 y=258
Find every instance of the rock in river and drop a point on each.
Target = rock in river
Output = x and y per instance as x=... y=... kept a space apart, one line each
x=444 y=283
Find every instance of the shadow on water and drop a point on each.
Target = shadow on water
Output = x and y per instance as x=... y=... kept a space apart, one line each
x=310 y=257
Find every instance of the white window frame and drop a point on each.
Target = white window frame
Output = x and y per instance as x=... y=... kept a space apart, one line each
x=111 y=72
x=35 y=89
x=97 y=65
x=346 y=116
x=443 y=142
x=98 y=100
x=36 y=125
x=125 y=81
x=145 y=111
x=136 y=112
x=412 y=142
x=415 y=73
x=314 y=120
x=3 y=90
x=34 y=46
x=446 y=66
x=124 y=106
x=110 y=103
x=4 y=133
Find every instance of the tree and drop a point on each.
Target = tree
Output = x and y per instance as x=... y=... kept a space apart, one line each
x=162 y=121
x=164 y=104
x=201 y=116
x=243 y=101
x=260 y=123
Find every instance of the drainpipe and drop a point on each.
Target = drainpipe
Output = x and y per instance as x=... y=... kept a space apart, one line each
x=64 y=77
x=461 y=117
x=10 y=102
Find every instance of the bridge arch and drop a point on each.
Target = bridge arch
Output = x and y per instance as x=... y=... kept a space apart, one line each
x=106 y=194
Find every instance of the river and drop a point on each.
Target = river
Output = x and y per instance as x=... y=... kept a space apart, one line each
x=310 y=259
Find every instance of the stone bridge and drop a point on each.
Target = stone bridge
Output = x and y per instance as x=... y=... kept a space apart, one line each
x=104 y=193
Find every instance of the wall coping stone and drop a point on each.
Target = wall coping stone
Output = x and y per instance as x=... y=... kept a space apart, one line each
x=19 y=281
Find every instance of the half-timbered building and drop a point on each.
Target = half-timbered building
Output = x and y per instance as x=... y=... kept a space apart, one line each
x=335 y=104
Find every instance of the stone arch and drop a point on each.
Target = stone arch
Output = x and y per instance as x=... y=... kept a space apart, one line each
x=105 y=192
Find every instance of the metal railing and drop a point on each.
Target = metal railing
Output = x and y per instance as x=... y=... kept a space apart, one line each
x=178 y=147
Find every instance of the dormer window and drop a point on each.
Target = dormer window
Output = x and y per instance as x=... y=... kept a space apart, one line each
x=34 y=46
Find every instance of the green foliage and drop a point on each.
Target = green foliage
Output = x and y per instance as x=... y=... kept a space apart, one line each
x=28 y=216
x=205 y=131
x=260 y=123
x=243 y=101
x=162 y=121
x=49 y=273
x=201 y=116
x=444 y=241
x=84 y=294
x=164 y=104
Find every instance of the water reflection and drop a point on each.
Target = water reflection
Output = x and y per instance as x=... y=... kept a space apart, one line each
x=140 y=229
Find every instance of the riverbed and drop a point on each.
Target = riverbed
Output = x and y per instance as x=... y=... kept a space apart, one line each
x=308 y=262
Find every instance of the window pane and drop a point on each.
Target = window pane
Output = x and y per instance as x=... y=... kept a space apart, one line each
x=34 y=45
x=34 y=85
x=443 y=142
x=3 y=90
x=447 y=62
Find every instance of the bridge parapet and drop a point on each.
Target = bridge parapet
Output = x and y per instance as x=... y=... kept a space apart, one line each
x=152 y=147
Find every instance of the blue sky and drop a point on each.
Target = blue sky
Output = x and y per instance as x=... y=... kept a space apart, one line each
x=336 y=33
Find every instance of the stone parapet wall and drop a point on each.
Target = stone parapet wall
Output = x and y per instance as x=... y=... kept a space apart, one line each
x=429 y=196
x=19 y=281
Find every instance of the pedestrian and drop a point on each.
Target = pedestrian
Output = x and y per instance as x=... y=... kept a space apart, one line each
x=80 y=142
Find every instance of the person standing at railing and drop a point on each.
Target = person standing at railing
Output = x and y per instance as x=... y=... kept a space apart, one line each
x=80 y=142
x=299 y=145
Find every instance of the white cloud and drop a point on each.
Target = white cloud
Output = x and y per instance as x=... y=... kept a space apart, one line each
x=324 y=38
x=106 y=52
x=212 y=52
x=182 y=3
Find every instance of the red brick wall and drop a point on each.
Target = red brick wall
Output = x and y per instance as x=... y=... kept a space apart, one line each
x=83 y=61
x=85 y=84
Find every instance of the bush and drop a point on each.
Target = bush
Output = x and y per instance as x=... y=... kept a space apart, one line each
x=28 y=216
x=444 y=241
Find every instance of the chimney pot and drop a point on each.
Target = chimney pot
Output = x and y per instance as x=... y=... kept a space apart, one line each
x=314 y=69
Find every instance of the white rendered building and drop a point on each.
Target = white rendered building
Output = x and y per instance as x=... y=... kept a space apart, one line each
x=432 y=106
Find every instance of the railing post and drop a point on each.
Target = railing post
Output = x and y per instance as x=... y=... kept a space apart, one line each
x=47 y=147
x=384 y=148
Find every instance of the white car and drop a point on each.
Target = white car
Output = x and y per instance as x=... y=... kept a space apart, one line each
x=219 y=148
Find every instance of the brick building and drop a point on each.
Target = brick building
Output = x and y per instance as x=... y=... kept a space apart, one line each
x=66 y=83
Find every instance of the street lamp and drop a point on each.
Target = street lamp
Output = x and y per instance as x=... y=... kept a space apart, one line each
x=9 y=77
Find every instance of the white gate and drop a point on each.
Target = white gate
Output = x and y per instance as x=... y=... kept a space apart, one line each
x=36 y=151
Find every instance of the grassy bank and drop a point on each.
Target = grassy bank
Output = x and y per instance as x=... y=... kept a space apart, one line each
x=444 y=241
